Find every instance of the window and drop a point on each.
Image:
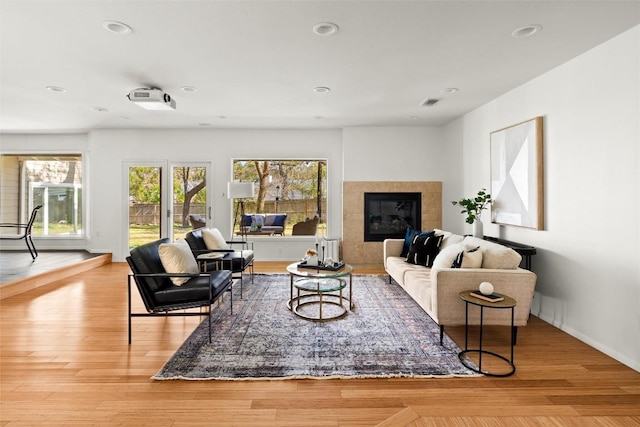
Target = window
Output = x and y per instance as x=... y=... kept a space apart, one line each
x=53 y=181
x=295 y=187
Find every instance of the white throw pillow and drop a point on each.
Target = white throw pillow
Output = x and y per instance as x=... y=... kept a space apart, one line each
x=177 y=258
x=469 y=258
x=447 y=255
x=495 y=255
x=449 y=238
x=213 y=239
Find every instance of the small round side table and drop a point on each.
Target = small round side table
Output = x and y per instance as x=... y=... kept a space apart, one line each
x=506 y=303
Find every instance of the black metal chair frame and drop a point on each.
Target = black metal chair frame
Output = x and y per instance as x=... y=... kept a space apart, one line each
x=27 y=232
x=227 y=262
x=228 y=259
x=167 y=309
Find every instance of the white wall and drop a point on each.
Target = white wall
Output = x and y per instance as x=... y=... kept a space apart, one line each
x=588 y=255
x=47 y=143
x=393 y=153
x=403 y=154
x=363 y=154
x=110 y=149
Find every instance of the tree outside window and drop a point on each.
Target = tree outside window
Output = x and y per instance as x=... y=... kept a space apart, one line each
x=295 y=187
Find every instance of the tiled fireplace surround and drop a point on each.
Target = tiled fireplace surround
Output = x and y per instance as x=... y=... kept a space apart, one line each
x=369 y=254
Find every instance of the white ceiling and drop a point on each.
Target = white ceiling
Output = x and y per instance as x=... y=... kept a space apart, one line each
x=256 y=63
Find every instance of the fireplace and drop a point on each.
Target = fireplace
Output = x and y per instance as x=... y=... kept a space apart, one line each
x=387 y=215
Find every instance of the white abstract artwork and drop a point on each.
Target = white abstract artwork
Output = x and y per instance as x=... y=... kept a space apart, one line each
x=516 y=175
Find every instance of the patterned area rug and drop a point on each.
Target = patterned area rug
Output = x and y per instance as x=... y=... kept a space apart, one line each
x=386 y=335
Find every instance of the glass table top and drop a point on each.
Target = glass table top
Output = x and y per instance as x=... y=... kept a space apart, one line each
x=318 y=273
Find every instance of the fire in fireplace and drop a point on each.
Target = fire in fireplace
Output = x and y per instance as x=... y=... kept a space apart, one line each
x=387 y=215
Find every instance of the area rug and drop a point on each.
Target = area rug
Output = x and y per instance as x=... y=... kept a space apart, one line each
x=385 y=335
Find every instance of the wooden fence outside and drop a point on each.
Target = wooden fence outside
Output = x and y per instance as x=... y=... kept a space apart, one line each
x=296 y=210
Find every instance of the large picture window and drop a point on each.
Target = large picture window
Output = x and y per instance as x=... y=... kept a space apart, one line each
x=51 y=180
x=297 y=188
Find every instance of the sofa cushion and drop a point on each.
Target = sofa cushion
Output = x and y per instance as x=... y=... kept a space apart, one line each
x=398 y=267
x=276 y=220
x=468 y=258
x=247 y=220
x=408 y=238
x=424 y=249
x=213 y=239
x=279 y=220
x=177 y=258
x=449 y=238
x=447 y=255
x=495 y=255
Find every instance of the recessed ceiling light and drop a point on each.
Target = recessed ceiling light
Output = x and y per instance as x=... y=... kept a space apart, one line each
x=117 y=27
x=189 y=89
x=55 y=89
x=449 y=90
x=526 y=31
x=413 y=117
x=204 y=124
x=99 y=109
x=325 y=28
x=321 y=89
x=429 y=102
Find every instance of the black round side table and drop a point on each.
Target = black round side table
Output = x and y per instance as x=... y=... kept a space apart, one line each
x=506 y=303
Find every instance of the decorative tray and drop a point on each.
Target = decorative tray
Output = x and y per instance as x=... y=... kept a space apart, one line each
x=211 y=255
x=335 y=267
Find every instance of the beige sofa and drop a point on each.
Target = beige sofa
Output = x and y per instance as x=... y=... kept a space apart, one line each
x=437 y=289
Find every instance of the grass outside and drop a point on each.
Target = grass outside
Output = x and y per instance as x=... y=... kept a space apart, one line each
x=140 y=234
x=55 y=229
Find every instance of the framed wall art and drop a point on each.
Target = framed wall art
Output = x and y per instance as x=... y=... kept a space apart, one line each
x=517 y=175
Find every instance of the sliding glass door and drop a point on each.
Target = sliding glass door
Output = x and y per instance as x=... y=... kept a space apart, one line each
x=145 y=221
x=165 y=200
x=190 y=205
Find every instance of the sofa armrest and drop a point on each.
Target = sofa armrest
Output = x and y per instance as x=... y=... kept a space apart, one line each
x=391 y=247
x=447 y=283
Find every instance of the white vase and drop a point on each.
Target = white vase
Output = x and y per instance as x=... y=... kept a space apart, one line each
x=477 y=229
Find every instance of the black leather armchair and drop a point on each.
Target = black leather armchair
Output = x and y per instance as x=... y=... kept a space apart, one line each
x=235 y=260
x=161 y=296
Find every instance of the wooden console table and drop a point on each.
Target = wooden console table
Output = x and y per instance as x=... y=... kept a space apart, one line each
x=524 y=250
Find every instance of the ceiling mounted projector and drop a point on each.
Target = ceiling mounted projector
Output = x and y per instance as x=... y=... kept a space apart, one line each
x=152 y=99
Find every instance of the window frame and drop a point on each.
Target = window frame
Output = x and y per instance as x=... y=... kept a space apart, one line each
x=323 y=227
x=26 y=204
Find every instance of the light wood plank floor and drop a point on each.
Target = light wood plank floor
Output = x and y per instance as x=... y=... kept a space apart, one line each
x=16 y=265
x=64 y=361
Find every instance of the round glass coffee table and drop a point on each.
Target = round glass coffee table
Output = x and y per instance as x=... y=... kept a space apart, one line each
x=319 y=292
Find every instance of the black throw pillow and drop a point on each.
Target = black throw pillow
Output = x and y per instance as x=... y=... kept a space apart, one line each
x=408 y=238
x=424 y=249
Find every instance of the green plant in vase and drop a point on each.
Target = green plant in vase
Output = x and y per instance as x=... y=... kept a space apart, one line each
x=473 y=208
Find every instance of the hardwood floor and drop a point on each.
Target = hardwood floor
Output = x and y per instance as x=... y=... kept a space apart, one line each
x=64 y=361
x=19 y=272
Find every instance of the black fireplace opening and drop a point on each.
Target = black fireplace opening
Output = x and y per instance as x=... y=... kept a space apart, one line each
x=387 y=215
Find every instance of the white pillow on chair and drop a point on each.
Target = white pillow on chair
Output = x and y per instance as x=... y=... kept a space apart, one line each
x=213 y=239
x=177 y=258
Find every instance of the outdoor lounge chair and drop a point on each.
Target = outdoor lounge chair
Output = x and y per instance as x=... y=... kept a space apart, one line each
x=26 y=234
x=308 y=227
